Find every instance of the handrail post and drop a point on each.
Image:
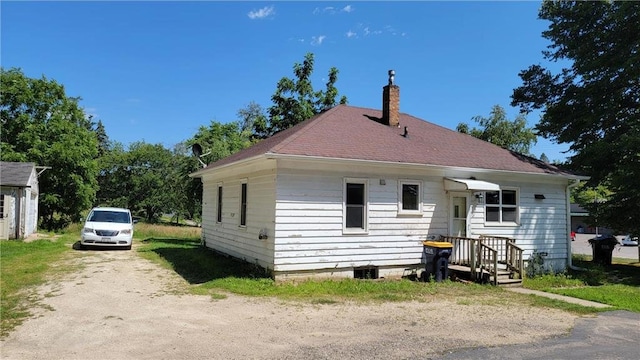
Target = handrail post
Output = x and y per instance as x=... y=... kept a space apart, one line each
x=472 y=258
x=495 y=268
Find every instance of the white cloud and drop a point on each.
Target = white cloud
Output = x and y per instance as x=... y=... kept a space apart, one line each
x=351 y=34
x=332 y=10
x=317 y=40
x=262 y=13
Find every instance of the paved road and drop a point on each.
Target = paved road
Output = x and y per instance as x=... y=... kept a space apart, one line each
x=611 y=335
x=581 y=246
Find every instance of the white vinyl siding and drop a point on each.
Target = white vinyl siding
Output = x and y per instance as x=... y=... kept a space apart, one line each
x=542 y=224
x=301 y=207
x=227 y=236
x=310 y=217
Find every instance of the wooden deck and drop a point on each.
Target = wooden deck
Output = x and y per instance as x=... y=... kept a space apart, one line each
x=488 y=259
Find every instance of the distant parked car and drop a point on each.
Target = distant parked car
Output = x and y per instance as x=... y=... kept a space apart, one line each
x=107 y=226
x=628 y=240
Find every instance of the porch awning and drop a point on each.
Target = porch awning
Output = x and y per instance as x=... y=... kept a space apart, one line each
x=469 y=184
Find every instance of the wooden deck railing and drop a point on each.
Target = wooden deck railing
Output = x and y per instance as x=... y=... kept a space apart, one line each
x=483 y=255
x=464 y=252
x=515 y=261
x=488 y=260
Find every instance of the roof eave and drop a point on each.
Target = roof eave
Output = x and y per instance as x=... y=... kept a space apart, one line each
x=200 y=173
x=455 y=168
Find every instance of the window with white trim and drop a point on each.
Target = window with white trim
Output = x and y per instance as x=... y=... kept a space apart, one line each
x=219 y=205
x=409 y=197
x=355 y=204
x=502 y=206
x=243 y=203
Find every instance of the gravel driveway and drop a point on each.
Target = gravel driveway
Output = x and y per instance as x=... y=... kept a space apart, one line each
x=120 y=306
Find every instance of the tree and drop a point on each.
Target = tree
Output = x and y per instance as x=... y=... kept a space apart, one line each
x=113 y=177
x=592 y=198
x=544 y=158
x=101 y=135
x=150 y=178
x=250 y=115
x=593 y=104
x=497 y=129
x=41 y=124
x=295 y=100
x=218 y=141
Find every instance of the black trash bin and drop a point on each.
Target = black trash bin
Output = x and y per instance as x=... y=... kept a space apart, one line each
x=602 y=247
x=436 y=254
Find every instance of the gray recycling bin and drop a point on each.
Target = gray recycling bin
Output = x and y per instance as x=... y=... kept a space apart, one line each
x=602 y=247
x=436 y=254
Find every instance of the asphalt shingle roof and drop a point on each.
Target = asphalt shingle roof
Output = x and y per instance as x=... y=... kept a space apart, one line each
x=348 y=132
x=15 y=173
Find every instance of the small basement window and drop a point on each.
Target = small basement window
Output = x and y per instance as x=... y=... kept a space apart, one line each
x=365 y=272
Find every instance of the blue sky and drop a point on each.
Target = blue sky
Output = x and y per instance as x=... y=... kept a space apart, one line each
x=157 y=71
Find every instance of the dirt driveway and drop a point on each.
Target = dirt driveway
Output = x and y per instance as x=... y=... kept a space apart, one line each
x=120 y=306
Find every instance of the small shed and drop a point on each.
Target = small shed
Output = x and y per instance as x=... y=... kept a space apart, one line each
x=18 y=199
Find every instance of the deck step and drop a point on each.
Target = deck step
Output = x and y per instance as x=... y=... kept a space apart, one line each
x=504 y=277
x=509 y=282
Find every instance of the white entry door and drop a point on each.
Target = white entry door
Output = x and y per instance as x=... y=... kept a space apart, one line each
x=458 y=216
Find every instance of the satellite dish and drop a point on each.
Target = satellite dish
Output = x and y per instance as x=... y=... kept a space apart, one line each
x=196 y=149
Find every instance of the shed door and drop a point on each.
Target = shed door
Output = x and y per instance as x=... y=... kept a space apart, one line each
x=458 y=215
x=6 y=204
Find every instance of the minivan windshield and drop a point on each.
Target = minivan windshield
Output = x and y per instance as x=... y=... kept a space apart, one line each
x=110 y=216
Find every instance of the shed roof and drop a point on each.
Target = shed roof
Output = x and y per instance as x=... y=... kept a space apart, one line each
x=349 y=132
x=15 y=173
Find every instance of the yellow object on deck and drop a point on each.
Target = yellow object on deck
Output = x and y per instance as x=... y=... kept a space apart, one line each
x=438 y=244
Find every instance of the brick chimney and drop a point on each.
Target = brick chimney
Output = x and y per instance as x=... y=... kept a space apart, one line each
x=391 y=102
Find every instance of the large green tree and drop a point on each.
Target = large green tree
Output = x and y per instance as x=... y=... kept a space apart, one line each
x=113 y=177
x=217 y=141
x=593 y=103
x=41 y=124
x=151 y=173
x=295 y=100
x=497 y=129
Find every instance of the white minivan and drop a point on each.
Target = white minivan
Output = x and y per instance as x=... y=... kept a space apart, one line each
x=108 y=226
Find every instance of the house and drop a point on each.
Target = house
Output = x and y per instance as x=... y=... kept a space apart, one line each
x=356 y=191
x=18 y=199
x=582 y=224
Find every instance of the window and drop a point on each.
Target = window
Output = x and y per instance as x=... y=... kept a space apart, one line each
x=355 y=206
x=502 y=206
x=409 y=197
x=1 y=206
x=219 y=205
x=243 y=204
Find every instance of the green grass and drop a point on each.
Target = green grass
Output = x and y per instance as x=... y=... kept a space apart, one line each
x=210 y=273
x=617 y=285
x=23 y=267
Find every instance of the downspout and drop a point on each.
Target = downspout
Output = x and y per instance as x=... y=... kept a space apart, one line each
x=570 y=186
